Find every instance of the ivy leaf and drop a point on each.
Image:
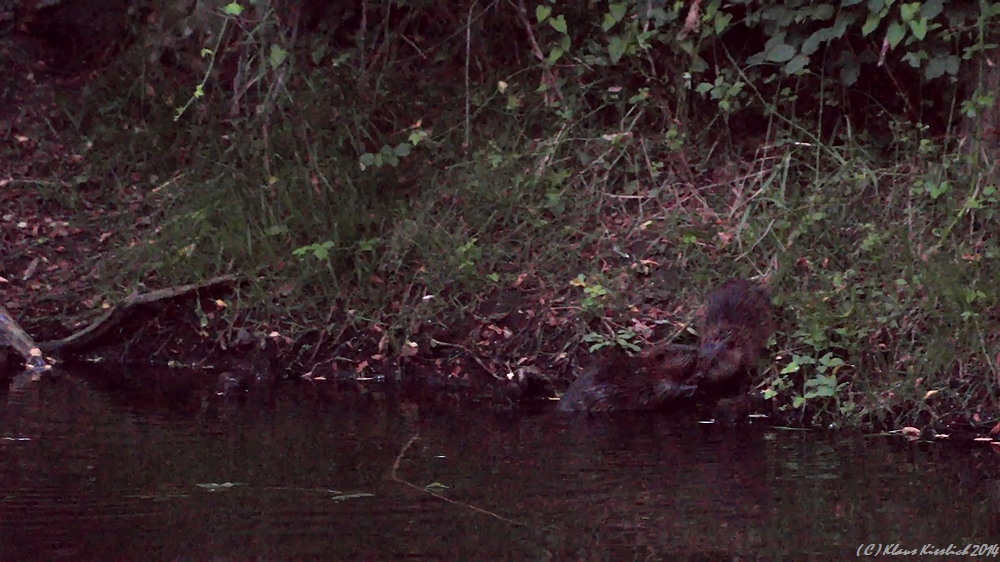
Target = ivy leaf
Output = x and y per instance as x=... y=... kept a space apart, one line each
x=919 y=28
x=277 y=56
x=823 y=12
x=542 y=13
x=941 y=64
x=781 y=53
x=607 y=22
x=932 y=9
x=796 y=65
x=616 y=48
x=721 y=22
x=850 y=72
x=617 y=11
x=909 y=11
x=559 y=24
x=914 y=58
x=870 y=24
x=895 y=34
x=555 y=54
x=812 y=43
x=840 y=26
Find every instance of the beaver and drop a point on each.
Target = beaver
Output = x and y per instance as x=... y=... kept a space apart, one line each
x=734 y=324
x=621 y=382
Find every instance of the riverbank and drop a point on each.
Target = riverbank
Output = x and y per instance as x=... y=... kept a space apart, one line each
x=421 y=239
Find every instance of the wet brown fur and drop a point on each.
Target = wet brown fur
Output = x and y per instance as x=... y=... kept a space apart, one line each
x=643 y=382
x=734 y=323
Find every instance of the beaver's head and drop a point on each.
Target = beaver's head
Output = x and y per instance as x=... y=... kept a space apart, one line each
x=723 y=354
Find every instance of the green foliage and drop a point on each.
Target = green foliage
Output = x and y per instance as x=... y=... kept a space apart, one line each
x=625 y=339
x=643 y=153
x=593 y=295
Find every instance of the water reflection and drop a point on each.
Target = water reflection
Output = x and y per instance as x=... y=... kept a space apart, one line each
x=155 y=466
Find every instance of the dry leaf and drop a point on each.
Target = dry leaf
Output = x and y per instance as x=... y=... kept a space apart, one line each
x=409 y=349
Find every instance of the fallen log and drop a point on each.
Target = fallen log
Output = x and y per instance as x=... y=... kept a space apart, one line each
x=11 y=334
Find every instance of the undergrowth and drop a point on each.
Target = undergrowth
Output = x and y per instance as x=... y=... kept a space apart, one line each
x=355 y=199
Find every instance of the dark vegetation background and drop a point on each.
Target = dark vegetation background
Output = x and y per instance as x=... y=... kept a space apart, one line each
x=483 y=187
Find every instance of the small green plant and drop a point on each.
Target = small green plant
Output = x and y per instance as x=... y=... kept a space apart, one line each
x=320 y=251
x=593 y=294
x=823 y=385
x=468 y=254
x=390 y=155
x=369 y=245
x=387 y=155
x=623 y=339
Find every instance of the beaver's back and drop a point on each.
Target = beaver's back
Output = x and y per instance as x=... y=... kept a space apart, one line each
x=619 y=382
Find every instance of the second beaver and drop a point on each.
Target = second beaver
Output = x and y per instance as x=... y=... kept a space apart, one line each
x=734 y=324
x=620 y=382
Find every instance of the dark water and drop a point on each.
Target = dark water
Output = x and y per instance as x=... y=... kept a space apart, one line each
x=97 y=470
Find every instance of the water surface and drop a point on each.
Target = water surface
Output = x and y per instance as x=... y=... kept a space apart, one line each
x=156 y=467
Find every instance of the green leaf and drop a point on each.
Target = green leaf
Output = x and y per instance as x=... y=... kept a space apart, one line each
x=870 y=24
x=939 y=65
x=542 y=13
x=722 y=20
x=277 y=56
x=919 y=28
x=792 y=367
x=850 y=72
x=812 y=43
x=796 y=65
x=554 y=55
x=607 y=22
x=559 y=24
x=932 y=9
x=616 y=48
x=416 y=137
x=617 y=11
x=909 y=11
x=914 y=58
x=840 y=26
x=233 y=9
x=781 y=53
x=318 y=53
x=895 y=34
x=823 y=12
x=402 y=149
